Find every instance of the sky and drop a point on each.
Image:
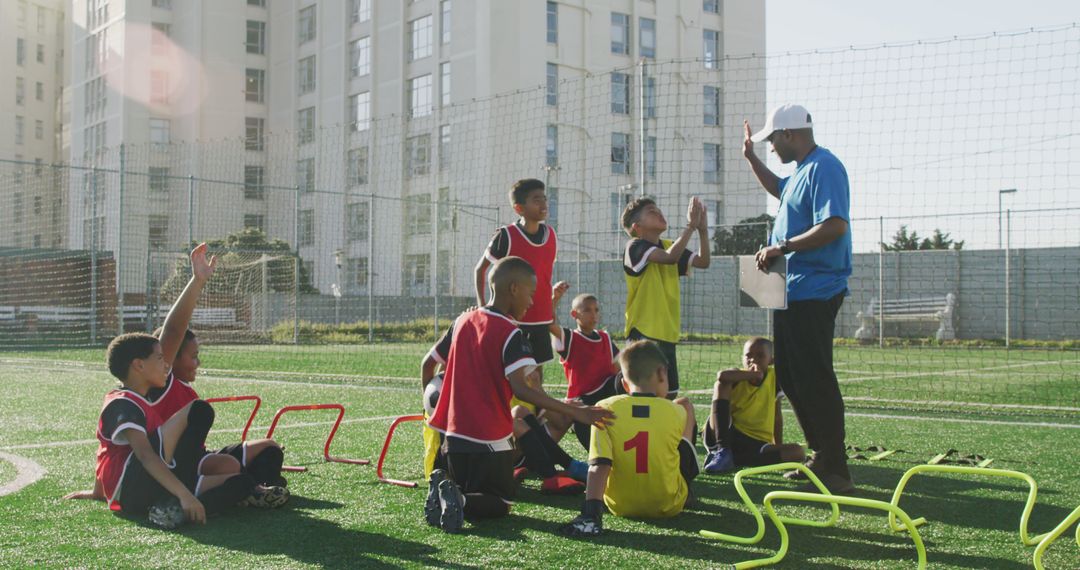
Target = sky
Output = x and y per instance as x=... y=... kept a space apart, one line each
x=932 y=131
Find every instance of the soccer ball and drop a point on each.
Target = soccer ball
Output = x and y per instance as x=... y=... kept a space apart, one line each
x=431 y=394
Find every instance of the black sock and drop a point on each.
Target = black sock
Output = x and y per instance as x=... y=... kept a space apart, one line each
x=593 y=508
x=232 y=491
x=555 y=452
x=721 y=421
x=536 y=457
x=265 y=468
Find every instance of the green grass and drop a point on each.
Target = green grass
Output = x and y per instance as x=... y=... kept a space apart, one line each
x=340 y=517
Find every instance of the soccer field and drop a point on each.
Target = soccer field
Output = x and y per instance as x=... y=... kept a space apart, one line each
x=341 y=517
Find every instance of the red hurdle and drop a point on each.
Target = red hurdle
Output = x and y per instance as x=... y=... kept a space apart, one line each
x=386 y=446
x=254 y=411
x=329 y=438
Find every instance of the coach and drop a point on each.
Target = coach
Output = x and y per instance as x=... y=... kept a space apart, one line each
x=812 y=230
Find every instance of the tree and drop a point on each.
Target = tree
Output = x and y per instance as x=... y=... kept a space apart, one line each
x=904 y=241
x=745 y=238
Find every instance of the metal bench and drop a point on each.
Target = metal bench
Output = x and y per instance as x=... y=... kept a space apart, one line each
x=213 y=316
x=55 y=314
x=923 y=309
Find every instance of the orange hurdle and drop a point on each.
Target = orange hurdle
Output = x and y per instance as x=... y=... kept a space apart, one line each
x=386 y=446
x=329 y=438
x=254 y=411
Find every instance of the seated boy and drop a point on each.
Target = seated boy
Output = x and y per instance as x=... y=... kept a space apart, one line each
x=486 y=361
x=642 y=464
x=652 y=267
x=589 y=356
x=746 y=427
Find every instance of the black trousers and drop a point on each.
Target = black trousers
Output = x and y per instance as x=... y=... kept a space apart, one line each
x=804 y=368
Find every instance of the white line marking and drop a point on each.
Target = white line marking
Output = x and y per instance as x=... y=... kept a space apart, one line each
x=26 y=472
x=943 y=419
x=966 y=371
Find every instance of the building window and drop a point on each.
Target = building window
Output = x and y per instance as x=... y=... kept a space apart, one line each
x=158 y=179
x=552 y=158
x=415 y=274
x=39 y=129
x=305 y=25
x=711 y=6
x=356 y=275
x=159 y=87
x=650 y=97
x=20 y=51
x=360 y=57
x=253 y=133
x=360 y=112
x=255 y=221
x=18 y=130
x=158 y=231
x=617 y=202
x=255 y=85
x=41 y=14
x=445 y=25
x=305 y=73
x=620 y=33
x=712 y=105
x=357 y=219
x=164 y=4
x=712 y=49
x=40 y=53
x=17 y=208
x=39 y=91
x=305 y=174
x=420 y=38
x=359 y=10
x=552 y=97
x=257 y=3
x=418 y=213
x=420 y=96
x=620 y=153
x=38 y=205
x=647 y=37
x=446 y=213
x=159 y=38
x=418 y=155
x=444 y=147
x=650 y=157
x=620 y=93
x=256 y=37
x=552 y=23
x=20 y=90
x=444 y=86
x=305 y=125
x=712 y=163
x=253 y=182
x=307 y=227
x=358 y=166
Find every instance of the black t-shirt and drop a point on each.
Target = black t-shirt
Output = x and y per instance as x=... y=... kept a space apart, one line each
x=121 y=413
x=500 y=242
x=636 y=258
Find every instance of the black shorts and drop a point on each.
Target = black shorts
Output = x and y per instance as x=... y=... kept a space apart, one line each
x=688 y=463
x=668 y=348
x=488 y=473
x=138 y=488
x=236 y=450
x=539 y=338
x=750 y=452
x=612 y=386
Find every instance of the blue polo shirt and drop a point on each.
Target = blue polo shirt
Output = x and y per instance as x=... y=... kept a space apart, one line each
x=816 y=191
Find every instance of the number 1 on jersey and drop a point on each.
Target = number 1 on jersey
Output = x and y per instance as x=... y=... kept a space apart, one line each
x=640 y=444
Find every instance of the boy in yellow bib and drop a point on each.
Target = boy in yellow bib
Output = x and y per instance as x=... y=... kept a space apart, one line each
x=745 y=427
x=642 y=464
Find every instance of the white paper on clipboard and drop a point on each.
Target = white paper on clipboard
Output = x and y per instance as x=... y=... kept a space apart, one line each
x=763 y=289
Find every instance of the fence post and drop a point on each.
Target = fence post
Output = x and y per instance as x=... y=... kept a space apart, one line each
x=641 y=126
x=578 y=282
x=1008 y=276
x=881 y=282
x=299 y=265
x=371 y=269
x=120 y=248
x=435 y=263
x=151 y=307
x=93 y=254
x=191 y=210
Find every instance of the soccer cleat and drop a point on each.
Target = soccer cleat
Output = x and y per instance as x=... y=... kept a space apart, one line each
x=578 y=470
x=266 y=497
x=719 y=461
x=583 y=526
x=835 y=484
x=167 y=513
x=521 y=474
x=452 y=505
x=432 y=508
x=797 y=475
x=561 y=485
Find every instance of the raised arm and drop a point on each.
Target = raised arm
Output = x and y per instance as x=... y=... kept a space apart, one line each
x=674 y=252
x=702 y=259
x=176 y=322
x=769 y=181
x=557 y=293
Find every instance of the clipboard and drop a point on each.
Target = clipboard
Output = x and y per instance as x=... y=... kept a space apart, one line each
x=763 y=289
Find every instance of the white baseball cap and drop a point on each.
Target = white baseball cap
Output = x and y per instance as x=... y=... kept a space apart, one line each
x=784 y=117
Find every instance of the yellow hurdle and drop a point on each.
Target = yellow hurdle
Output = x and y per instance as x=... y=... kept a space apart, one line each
x=1052 y=536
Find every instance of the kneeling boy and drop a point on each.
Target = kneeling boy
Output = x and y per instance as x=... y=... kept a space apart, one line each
x=641 y=465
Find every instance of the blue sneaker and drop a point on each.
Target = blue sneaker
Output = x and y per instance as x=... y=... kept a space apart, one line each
x=719 y=461
x=578 y=470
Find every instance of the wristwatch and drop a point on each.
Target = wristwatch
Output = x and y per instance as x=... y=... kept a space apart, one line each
x=784 y=247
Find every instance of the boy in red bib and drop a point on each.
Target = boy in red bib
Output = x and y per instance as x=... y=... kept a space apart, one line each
x=486 y=362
